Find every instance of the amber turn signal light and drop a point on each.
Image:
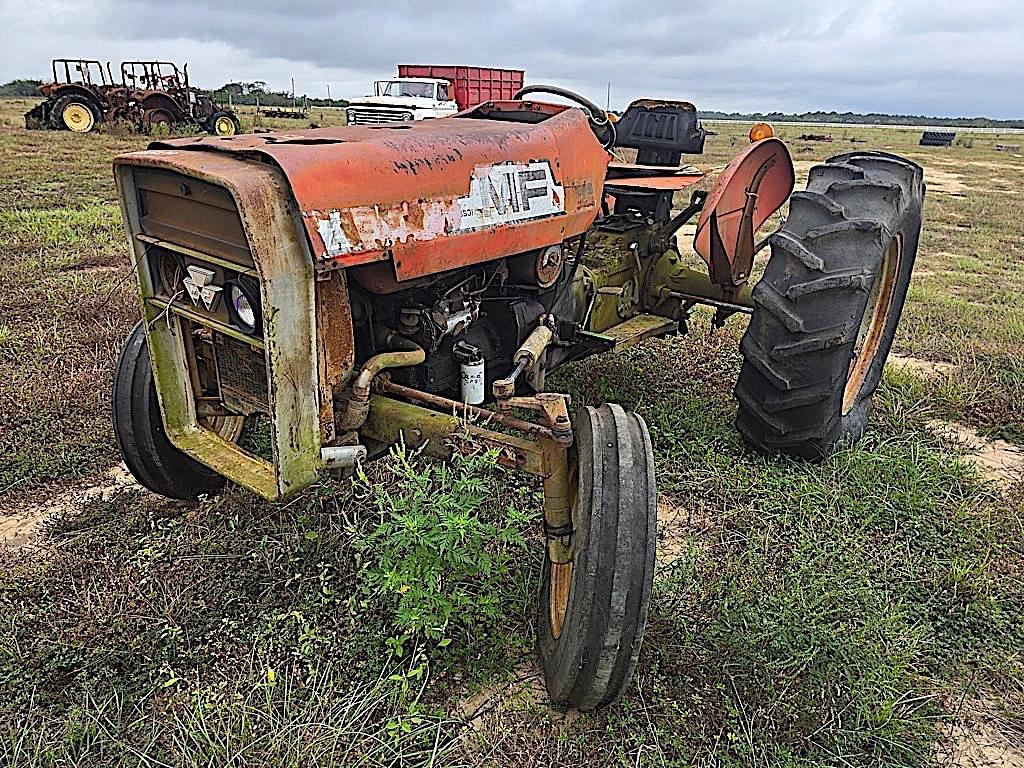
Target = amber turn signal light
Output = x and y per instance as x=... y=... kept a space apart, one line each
x=760 y=132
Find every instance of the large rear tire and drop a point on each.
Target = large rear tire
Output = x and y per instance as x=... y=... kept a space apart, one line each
x=593 y=611
x=826 y=310
x=74 y=112
x=139 y=428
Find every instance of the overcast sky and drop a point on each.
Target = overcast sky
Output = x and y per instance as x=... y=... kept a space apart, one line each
x=933 y=57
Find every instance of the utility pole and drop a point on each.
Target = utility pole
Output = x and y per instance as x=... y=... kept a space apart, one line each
x=328 y=94
x=608 y=101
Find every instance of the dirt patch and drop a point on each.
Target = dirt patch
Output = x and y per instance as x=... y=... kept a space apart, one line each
x=803 y=169
x=996 y=460
x=678 y=530
x=524 y=691
x=949 y=255
x=994 y=166
x=685 y=236
x=19 y=525
x=929 y=368
x=675 y=526
x=979 y=738
x=944 y=182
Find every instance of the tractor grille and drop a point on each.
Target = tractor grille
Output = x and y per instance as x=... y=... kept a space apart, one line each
x=376 y=116
x=243 y=374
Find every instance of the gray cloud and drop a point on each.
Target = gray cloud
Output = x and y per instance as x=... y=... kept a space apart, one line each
x=914 y=56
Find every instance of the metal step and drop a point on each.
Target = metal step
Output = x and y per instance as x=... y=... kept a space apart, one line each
x=638 y=328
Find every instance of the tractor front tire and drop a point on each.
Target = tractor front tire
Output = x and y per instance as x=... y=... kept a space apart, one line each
x=74 y=112
x=223 y=123
x=593 y=611
x=826 y=310
x=139 y=428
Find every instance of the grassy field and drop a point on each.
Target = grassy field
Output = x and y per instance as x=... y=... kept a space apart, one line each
x=865 y=611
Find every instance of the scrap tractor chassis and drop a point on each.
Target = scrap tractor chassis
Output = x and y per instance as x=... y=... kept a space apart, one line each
x=151 y=95
x=353 y=287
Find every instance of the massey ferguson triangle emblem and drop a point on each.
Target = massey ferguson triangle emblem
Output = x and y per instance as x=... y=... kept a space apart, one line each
x=200 y=287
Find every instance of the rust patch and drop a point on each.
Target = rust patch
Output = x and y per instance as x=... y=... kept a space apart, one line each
x=414 y=213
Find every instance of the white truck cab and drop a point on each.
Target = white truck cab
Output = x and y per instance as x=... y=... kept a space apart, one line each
x=401 y=99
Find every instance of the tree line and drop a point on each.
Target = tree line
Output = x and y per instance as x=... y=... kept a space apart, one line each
x=871 y=118
x=257 y=92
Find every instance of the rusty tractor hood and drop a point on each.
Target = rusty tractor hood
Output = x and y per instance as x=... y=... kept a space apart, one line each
x=432 y=195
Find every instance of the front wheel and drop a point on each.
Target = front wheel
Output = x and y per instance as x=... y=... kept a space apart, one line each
x=158 y=120
x=139 y=428
x=593 y=611
x=223 y=124
x=826 y=310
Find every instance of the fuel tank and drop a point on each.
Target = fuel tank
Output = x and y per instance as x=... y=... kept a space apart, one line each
x=434 y=195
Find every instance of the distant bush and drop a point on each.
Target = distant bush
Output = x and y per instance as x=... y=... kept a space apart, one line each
x=19 y=89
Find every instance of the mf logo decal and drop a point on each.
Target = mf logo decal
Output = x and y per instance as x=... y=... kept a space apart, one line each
x=502 y=193
x=509 y=192
x=200 y=287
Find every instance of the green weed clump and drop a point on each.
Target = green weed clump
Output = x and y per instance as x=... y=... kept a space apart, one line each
x=241 y=633
x=443 y=541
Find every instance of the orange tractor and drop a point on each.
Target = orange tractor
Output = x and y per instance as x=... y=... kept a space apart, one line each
x=353 y=287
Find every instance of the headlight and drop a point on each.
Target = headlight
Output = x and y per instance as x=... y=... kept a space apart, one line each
x=350 y=116
x=170 y=269
x=244 y=304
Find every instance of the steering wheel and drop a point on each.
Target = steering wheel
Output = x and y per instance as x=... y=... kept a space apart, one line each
x=603 y=128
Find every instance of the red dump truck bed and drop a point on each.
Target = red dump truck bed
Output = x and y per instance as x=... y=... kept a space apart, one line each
x=472 y=85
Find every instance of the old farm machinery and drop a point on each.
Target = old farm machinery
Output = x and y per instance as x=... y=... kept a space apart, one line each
x=356 y=286
x=150 y=95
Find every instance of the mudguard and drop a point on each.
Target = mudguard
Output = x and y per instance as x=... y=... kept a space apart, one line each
x=753 y=186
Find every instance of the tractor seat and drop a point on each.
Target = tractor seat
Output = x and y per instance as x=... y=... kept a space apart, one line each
x=661 y=131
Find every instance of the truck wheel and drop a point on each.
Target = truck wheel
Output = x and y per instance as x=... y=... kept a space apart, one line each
x=827 y=308
x=592 y=611
x=74 y=112
x=139 y=429
x=223 y=124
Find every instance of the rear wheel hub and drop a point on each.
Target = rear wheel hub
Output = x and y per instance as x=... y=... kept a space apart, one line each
x=78 y=118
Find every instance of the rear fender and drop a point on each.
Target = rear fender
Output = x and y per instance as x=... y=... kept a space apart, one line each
x=160 y=100
x=66 y=90
x=752 y=187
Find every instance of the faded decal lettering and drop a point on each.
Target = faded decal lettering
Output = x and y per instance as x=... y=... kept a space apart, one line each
x=506 y=193
x=335 y=240
x=499 y=194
